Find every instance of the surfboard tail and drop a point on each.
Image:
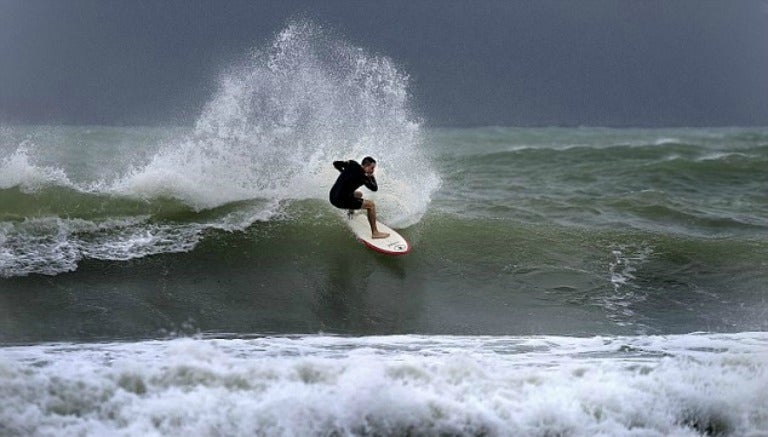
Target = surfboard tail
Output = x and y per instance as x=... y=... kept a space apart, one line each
x=394 y=244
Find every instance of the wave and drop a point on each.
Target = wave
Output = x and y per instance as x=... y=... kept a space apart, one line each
x=510 y=139
x=684 y=152
x=711 y=384
x=16 y=170
x=278 y=120
x=303 y=271
x=693 y=188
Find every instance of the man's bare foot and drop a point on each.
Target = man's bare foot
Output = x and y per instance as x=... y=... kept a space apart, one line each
x=378 y=234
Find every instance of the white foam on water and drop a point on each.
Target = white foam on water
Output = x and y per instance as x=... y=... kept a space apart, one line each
x=51 y=246
x=282 y=116
x=622 y=270
x=666 y=141
x=624 y=265
x=36 y=246
x=17 y=170
x=269 y=134
x=725 y=156
x=319 y=385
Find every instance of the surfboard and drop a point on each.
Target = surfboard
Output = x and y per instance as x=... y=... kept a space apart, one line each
x=395 y=244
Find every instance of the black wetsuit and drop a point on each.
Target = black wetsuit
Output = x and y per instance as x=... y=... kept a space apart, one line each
x=351 y=178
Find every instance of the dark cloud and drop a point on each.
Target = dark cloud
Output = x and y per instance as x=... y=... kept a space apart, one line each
x=638 y=63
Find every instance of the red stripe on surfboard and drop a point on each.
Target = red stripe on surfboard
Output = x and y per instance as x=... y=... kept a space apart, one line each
x=380 y=250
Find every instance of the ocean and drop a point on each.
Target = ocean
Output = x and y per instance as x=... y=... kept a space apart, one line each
x=562 y=281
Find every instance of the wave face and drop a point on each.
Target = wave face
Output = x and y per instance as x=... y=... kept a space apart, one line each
x=556 y=231
x=268 y=136
x=690 y=385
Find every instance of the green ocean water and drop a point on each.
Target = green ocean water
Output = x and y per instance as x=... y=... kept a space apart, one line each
x=557 y=231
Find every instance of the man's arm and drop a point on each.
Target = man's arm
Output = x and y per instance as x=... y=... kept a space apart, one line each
x=340 y=165
x=370 y=183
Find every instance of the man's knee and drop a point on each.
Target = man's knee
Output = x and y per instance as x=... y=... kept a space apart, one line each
x=368 y=204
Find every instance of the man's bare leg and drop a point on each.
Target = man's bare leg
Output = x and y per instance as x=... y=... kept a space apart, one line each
x=367 y=204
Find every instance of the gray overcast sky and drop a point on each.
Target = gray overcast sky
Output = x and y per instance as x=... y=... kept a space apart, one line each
x=588 y=62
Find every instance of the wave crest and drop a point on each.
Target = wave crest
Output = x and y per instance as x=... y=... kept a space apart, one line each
x=281 y=116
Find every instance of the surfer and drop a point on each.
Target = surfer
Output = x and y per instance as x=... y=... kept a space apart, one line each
x=344 y=193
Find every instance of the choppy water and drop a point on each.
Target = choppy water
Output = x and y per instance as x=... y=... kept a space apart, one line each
x=416 y=385
x=615 y=231
x=555 y=286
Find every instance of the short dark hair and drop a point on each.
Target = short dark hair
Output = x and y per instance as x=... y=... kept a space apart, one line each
x=368 y=160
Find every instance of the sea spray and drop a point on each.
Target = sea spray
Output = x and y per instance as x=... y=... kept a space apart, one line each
x=17 y=170
x=282 y=115
x=266 y=138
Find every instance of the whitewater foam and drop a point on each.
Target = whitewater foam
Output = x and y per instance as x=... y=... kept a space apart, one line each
x=17 y=170
x=282 y=116
x=268 y=136
x=622 y=270
x=316 y=385
x=51 y=246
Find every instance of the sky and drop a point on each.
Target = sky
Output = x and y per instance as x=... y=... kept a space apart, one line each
x=645 y=63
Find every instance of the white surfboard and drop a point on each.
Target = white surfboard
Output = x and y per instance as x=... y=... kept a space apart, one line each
x=395 y=244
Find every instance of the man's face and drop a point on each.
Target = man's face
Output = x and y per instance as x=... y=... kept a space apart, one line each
x=369 y=168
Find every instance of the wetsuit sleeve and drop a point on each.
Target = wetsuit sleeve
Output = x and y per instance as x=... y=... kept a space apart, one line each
x=340 y=165
x=370 y=183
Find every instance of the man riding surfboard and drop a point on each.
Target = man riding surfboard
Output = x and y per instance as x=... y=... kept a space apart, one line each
x=344 y=192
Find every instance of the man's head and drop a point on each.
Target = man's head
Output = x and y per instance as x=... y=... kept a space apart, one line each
x=369 y=165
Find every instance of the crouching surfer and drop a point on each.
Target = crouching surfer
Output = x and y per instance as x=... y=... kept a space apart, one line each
x=344 y=192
